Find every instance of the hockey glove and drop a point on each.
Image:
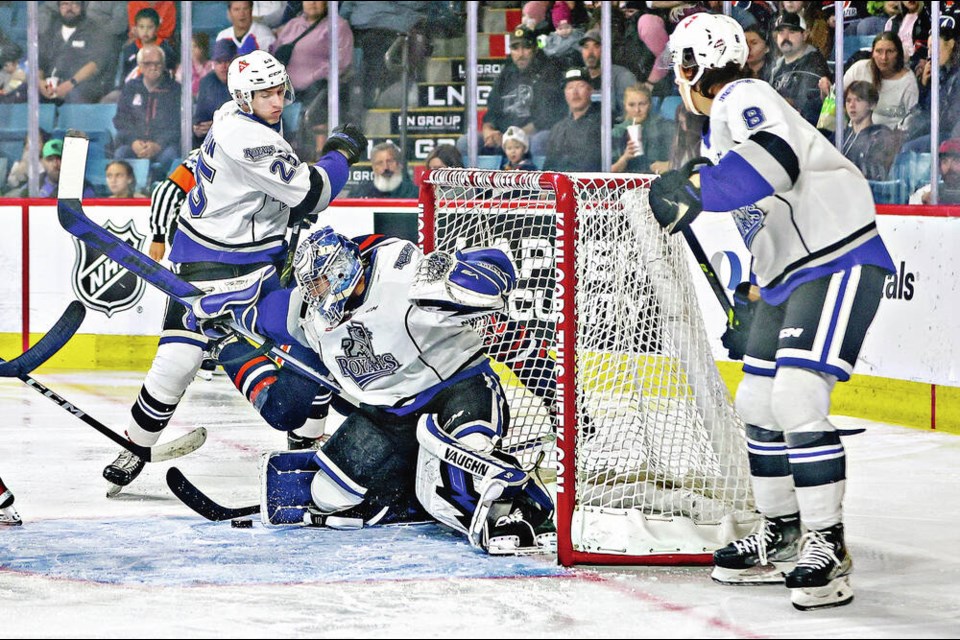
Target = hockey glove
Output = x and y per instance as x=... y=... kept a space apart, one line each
x=734 y=339
x=349 y=139
x=675 y=196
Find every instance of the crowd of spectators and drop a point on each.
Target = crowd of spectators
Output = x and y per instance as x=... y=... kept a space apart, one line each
x=543 y=108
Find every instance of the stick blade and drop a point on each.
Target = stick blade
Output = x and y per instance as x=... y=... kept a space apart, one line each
x=73 y=166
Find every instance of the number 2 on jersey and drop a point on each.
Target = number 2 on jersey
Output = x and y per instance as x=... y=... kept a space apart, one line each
x=197 y=198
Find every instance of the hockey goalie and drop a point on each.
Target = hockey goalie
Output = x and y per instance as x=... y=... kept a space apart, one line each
x=390 y=327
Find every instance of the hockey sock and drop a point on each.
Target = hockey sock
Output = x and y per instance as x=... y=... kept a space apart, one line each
x=770 y=471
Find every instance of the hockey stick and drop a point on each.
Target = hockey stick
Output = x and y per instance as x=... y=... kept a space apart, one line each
x=287 y=274
x=190 y=495
x=51 y=342
x=708 y=272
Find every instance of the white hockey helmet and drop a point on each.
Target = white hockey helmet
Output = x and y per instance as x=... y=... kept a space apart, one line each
x=701 y=42
x=255 y=71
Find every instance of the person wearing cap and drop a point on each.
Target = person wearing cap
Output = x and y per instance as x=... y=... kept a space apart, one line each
x=949 y=188
x=620 y=76
x=148 y=113
x=575 y=141
x=213 y=89
x=515 y=148
x=919 y=131
x=526 y=94
x=50 y=156
x=800 y=74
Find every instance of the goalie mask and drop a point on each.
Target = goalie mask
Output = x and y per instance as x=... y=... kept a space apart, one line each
x=702 y=42
x=253 y=72
x=327 y=267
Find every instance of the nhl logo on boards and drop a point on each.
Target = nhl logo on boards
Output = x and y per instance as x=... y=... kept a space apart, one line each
x=100 y=282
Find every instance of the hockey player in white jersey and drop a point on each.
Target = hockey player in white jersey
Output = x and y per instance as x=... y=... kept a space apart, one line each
x=390 y=326
x=249 y=187
x=807 y=216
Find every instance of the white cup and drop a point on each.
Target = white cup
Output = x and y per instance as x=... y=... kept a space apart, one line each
x=52 y=82
x=635 y=133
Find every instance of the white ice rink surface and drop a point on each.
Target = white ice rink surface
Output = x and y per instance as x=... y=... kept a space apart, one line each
x=143 y=565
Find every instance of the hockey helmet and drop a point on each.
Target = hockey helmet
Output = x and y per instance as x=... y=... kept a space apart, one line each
x=327 y=268
x=701 y=42
x=255 y=71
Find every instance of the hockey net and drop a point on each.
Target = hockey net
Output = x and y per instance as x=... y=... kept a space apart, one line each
x=605 y=361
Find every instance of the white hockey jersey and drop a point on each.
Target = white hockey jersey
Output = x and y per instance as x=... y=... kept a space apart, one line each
x=391 y=351
x=247 y=179
x=802 y=208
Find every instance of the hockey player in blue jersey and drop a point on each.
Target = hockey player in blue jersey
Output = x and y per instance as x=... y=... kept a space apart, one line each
x=390 y=326
x=807 y=216
x=249 y=187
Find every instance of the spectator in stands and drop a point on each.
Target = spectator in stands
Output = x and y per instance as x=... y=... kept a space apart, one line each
x=200 y=60
x=686 y=140
x=76 y=61
x=443 y=156
x=949 y=187
x=308 y=62
x=146 y=27
x=148 y=113
x=515 y=146
x=574 y=140
x=574 y=13
x=912 y=26
x=166 y=10
x=639 y=39
x=918 y=121
x=121 y=181
x=656 y=134
x=818 y=33
x=246 y=34
x=19 y=171
x=534 y=17
x=375 y=27
x=389 y=178
x=801 y=74
x=563 y=45
x=13 y=77
x=110 y=18
x=620 y=76
x=759 y=57
x=213 y=89
x=50 y=157
x=526 y=94
x=869 y=146
x=853 y=14
x=887 y=71
x=879 y=16
x=273 y=14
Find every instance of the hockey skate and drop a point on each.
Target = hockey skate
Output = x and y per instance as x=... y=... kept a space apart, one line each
x=303 y=443
x=821 y=578
x=122 y=471
x=762 y=557
x=8 y=514
x=519 y=527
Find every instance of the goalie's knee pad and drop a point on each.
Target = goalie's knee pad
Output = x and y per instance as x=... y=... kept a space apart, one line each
x=753 y=401
x=488 y=497
x=800 y=399
x=331 y=489
x=172 y=371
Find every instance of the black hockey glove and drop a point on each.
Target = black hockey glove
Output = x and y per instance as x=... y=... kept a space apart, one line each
x=349 y=139
x=734 y=339
x=675 y=196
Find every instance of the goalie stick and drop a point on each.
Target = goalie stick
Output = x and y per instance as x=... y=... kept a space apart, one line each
x=190 y=495
x=75 y=221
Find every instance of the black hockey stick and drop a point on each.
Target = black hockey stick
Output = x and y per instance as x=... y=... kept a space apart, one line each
x=715 y=285
x=51 y=342
x=287 y=274
x=200 y=502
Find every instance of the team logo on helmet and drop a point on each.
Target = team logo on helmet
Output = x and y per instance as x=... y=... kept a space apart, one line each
x=243 y=64
x=100 y=282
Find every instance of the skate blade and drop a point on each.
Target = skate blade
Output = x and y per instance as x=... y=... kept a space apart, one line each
x=761 y=574
x=10 y=518
x=113 y=489
x=836 y=594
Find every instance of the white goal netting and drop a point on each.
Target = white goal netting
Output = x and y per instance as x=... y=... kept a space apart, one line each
x=605 y=361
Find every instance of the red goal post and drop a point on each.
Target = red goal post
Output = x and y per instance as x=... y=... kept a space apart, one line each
x=607 y=367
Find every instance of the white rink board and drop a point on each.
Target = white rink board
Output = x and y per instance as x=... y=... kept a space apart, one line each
x=912 y=337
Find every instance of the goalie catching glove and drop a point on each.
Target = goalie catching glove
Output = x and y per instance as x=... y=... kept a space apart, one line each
x=734 y=339
x=469 y=283
x=349 y=139
x=675 y=196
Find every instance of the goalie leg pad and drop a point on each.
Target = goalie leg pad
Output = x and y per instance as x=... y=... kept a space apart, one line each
x=498 y=506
